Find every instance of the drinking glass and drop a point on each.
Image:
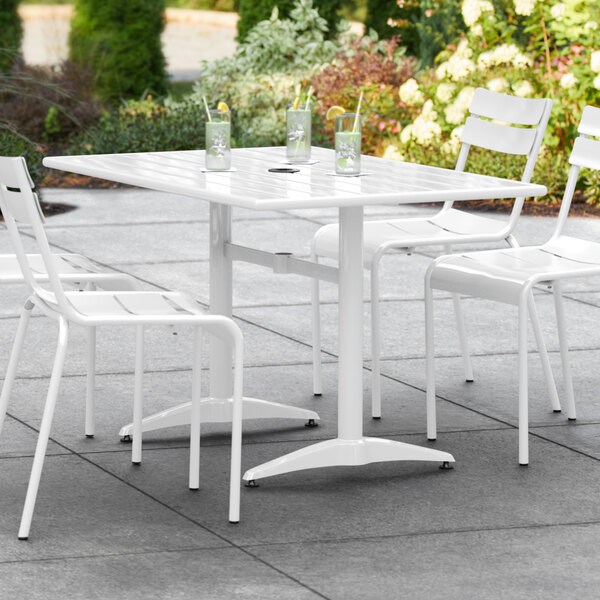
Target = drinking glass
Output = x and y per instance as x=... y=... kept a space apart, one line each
x=298 y=126
x=218 y=141
x=347 y=143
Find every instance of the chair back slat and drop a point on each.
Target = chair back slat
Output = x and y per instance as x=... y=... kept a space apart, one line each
x=586 y=153
x=20 y=205
x=510 y=109
x=590 y=122
x=497 y=137
x=8 y=175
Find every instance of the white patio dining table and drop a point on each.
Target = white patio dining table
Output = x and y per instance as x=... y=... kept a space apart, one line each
x=252 y=186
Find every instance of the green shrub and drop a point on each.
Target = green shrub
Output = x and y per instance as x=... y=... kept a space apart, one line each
x=262 y=77
x=145 y=126
x=330 y=11
x=253 y=12
x=120 y=41
x=13 y=144
x=379 y=12
x=12 y=33
x=271 y=47
x=438 y=24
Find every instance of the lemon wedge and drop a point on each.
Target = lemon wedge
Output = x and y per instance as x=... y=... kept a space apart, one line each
x=222 y=107
x=334 y=111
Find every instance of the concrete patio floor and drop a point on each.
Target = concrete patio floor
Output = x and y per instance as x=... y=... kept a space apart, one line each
x=488 y=529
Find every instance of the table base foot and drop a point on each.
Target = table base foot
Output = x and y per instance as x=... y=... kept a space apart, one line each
x=341 y=452
x=218 y=410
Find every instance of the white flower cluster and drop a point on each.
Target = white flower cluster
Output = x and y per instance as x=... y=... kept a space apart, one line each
x=523 y=89
x=445 y=91
x=452 y=146
x=456 y=112
x=424 y=130
x=473 y=9
x=410 y=93
x=597 y=82
x=392 y=152
x=460 y=66
x=568 y=81
x=498 y=84
x=590 y=26
x=505 y=54
x=558 y=11
x=524 y=7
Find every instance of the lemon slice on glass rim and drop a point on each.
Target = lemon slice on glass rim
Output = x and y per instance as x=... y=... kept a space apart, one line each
x=222 y=107
x=334 y=111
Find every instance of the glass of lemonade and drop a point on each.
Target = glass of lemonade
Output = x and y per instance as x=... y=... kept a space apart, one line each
x=218 y=140
x=347 y=143
x=298 y=127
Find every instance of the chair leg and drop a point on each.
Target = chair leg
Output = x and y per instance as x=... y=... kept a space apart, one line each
x=136 y=451
x=462 y=334
x=375 y=341
x=42 y=443
x=316 y=332
x=543 y=352
x=13 y=362
x=236 y=434
x=90 y=402
x=564 y=350
x=462 y=338
x=430 y=362
x=195 y=415
x=523 y=391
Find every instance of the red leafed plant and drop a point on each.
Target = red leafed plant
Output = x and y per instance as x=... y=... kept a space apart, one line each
x=377 y=68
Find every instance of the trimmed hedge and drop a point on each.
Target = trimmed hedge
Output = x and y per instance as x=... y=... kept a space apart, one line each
x=12 y=33
x=120 y=42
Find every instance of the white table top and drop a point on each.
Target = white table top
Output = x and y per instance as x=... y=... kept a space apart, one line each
x=253 y=186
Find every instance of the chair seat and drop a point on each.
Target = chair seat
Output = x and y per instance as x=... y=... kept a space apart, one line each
x=132 y=307
x=450 y=227
x=73 y=268
x=501 y=274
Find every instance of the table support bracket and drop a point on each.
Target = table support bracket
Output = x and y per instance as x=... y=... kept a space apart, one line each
x=281 y=262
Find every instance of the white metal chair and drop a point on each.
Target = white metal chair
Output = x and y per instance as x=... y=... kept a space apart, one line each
x=508 y=275
x=449 y=226
x=74 y=270
x=20 y=206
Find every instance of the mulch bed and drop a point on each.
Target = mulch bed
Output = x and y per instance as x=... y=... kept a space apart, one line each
x=60 y=179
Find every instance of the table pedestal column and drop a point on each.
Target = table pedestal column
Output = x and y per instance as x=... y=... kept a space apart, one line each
x=217 y=408
x=350 y=447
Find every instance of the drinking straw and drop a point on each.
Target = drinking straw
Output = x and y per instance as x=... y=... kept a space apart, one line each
x=206 y=106
x=355 y=127
x=308 y=98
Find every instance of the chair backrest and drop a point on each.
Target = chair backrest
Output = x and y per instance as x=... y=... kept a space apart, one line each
x=490 y=125
x=585 y=153
x=21 y=207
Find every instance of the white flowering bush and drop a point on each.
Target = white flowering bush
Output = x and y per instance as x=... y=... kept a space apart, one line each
x=530 y=49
